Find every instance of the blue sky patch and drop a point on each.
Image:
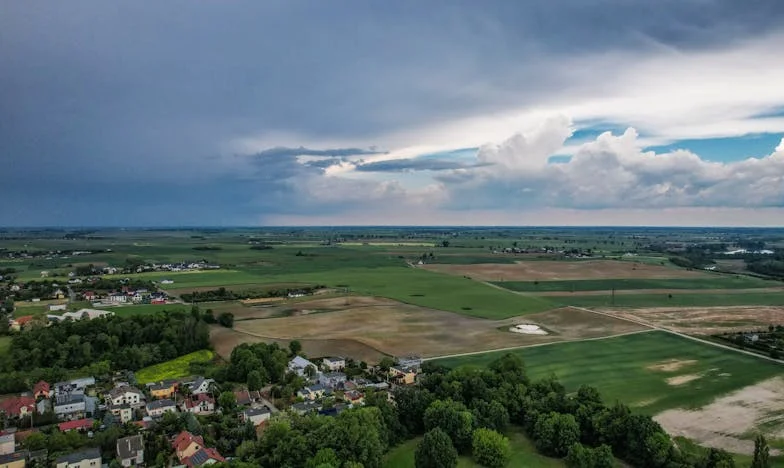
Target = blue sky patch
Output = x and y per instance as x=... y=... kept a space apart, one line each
x=726 y=149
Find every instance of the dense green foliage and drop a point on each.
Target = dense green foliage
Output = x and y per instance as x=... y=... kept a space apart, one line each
x=223 y=294
x=490 y=448
x=435 y=451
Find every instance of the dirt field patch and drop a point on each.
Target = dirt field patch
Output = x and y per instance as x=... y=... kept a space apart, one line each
x=261 y=300
x=562 y=270
x=704 y=320
x=683 y=379
x=727 y=422
x=672 y=365
x=395 y=328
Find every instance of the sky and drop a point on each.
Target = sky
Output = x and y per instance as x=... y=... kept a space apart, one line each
x=370 y=112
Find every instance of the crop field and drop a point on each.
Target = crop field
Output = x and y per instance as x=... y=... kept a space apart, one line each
x=677 y=380
x=704 y=320
x=523 y=454
x=394 y=328
x=174 y=369
x=696 y=283
x=674 y=299
x=545 y=270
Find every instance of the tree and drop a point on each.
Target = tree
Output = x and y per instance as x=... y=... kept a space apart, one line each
x=8 y=305
x=325 y=457
x=227 y=401
x=386 y=363
x=208 y=316
x=435 y=451
x=255 y=380
x=761 y=453
x=580 y=456
x=311 y=371
x=490 y=448
x=554 y=433
x=454 y=419
x=226 y=319
x=717 y=458
x=295 y=347
x=445 y=243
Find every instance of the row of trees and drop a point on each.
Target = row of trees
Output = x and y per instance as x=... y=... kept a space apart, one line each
x=223 y=294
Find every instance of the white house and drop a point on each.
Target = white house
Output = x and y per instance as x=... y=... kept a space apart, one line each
x=56 y=307
x=158 y=408
x=333 y=364
x=89 y=458
x=125 y=395
x=312 y=392
x=124 y=412
x=117 y=298
x=199 y=404
x=200 y=385
x=299 y=364
x=70 y=406
x=255 y=415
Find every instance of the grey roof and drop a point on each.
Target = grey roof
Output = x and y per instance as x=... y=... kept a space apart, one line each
x=256 y=411
x=316 y=388
x=11 y=457
x=334 y=359
x=76 y=457
x=69 y=399
x=5 y=438
x=200 y=457
x=129 y=447
x=120 y=391
x=159 y=404
x=334 y=375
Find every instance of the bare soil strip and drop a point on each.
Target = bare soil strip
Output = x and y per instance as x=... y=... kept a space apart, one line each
x=703 y=320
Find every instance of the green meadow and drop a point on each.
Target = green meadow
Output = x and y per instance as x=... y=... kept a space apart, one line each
x=622 y=368
x=174 y=369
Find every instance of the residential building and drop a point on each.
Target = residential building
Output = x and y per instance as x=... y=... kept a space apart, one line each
x=58 y=294
x=333 y=379
x=247 y=397
x=354 y=397
x=89 y=295
x=409 y=361
x=7 y=443
x=14 y=460
x=205 y=456
x=333 y=364
x=124 y=412
x=130 y=450
x=402 y=375
x=186 y=444
x=157 y=408
x=89 y=458
x=76 y=425
x=255 y=415
x=41 y=390
x=117 y=298
x=19 y=323
x=164 y=389
x=312 y=392
x=125 y=395
x=17 y=407
x=305 y=407
x=201 y=403
x=56 y=307
x=73 y=386
x=200 y=385
x=71 y=406
x=298 y=365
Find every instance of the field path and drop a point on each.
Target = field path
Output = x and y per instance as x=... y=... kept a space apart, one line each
x=536 y=345
x=682 y=335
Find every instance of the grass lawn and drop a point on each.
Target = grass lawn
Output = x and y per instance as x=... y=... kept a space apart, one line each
x=5 y=344
x=523 y=454
x=716 y=282
x=174 y=369
x=142 y=309
x=620 y=369
x=677 y=300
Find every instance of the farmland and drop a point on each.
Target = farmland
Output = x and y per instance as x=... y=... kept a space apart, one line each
x=174 y=369
x=674 y=299
x=711 y=282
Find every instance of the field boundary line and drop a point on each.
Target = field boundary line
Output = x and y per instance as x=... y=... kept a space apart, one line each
x=256 y=335
x=536 y=345
x=682 y=335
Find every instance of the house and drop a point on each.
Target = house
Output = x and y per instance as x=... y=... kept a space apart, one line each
x=299 y=364
x=73 y=386
x=200 y=385
x=312 y=392
x=41 y=390
x=13 y=460
x=402 y=375
x=7 y=444
x=131 y=396
x=186 y=444
x=18 y=407
x=333 y=379
x=158 y=408
x=199 y=404
x=70 y=406
x=56 y=307
x=76 y=425
x=354 y=397
x=205 y=456
x=123 y=411
x=117 y=298
x=255 y=415
x=247 y=397
x=333 y=364
x=19 y=323
x=89 y=295
x=58 y=294
x=409 y=361
x=305 y=407
x=130 y=450
x=164 y=389
x=88 y=458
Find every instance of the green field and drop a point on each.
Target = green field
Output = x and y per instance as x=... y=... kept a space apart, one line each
x=174 y=369
x=677 y=300
x=141 y=309
x=523 y=454
x=619 y=368
x=715 y=282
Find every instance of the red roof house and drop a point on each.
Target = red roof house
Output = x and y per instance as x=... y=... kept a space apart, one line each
x=186 y=444
x=41 y=389
x=77 y=425
x=18 y=406
x=203 y=457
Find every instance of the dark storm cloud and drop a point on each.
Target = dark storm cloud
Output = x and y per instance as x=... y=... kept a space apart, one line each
x=143 y=93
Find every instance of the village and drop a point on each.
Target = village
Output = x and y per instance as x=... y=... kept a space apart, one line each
x=90 y=407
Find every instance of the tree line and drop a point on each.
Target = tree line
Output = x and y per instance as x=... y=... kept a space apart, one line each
x=223 y=294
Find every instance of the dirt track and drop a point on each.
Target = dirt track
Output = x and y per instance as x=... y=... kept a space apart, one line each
x=562 y=270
